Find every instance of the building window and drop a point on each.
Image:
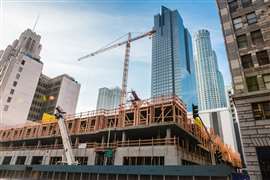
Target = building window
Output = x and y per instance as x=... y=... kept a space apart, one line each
x=9 y=99
x=6 y=160
x=246 y=3
x=246 y=61
x=256 y=37
x=266 y=80
x=252 y=83
x=17 y=76
x=261 y=110
x=20 y=69
x=233 y=5
x=12 y=91
x=23 y=62
x=237 y=23
x=262 y=57
x=6 y=108
x=15 y=83
x=242 y=41
x=251 y=18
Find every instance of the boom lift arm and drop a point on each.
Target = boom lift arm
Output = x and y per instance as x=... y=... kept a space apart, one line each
x=65 y=138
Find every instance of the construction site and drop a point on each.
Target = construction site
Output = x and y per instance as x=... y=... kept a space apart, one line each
x=142 y=139
x=151 y=132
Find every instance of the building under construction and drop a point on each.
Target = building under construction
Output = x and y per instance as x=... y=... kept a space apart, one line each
x=151 y=132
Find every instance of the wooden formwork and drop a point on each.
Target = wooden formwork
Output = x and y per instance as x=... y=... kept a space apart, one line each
x=158 y=110
x=161 y=110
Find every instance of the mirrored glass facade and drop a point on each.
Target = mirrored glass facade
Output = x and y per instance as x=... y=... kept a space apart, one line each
x=172 y=58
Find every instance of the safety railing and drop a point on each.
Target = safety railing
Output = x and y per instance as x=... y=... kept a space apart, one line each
x=127 y=143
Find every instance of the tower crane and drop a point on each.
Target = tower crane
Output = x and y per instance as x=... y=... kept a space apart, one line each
x=126 y=63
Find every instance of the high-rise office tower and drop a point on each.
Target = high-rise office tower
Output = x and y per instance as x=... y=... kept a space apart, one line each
x=25 y=92
x=222 y=90
x=20 y=68
x=60 y=91
x=246 y=30
x=108 y=98
x=210 y=83
x=172 y=58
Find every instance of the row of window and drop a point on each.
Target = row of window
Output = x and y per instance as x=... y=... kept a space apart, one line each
x=14 y=84
x=262 y=59
x=233 y=4
x=256 y=37
x=251 y=19
x=252 y=82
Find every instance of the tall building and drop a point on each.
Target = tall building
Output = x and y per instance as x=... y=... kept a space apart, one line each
x=246 y=30
x=210 y=83
x=232 y=109
x=108 y=98
x=20 y=68
x=60 y=91
x=172 y=58
x=25 y=92
x=222 y=90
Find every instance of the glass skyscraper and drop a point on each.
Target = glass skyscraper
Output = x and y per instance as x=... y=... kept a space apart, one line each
x=210 y=83
x=108 y=98
x=172 y=58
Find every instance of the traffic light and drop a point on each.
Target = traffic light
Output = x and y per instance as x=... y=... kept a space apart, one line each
x=218 y=156
x=195 y=111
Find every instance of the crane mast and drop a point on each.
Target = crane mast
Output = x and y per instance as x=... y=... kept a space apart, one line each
x=125 y=74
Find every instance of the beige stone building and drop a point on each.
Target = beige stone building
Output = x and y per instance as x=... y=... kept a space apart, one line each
x=20 y=68
x=246 y=29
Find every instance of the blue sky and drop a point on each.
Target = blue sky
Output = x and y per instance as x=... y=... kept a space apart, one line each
x=71 y=29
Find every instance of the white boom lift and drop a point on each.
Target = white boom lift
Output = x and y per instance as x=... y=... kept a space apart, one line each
x=65 y=138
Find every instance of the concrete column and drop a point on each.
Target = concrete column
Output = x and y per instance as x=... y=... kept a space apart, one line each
x=56 y=141
x=46 y=159
x=13 y=160
x=28 y=160
x=168 y=133
x=77 y=141
x=91 y=156
x=39 y=143
x=123 y=137
x=103 y=140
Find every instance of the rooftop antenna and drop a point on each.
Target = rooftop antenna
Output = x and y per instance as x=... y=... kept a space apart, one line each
x=34 y=27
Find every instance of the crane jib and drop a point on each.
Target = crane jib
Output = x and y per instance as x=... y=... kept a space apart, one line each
x=118 y=44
